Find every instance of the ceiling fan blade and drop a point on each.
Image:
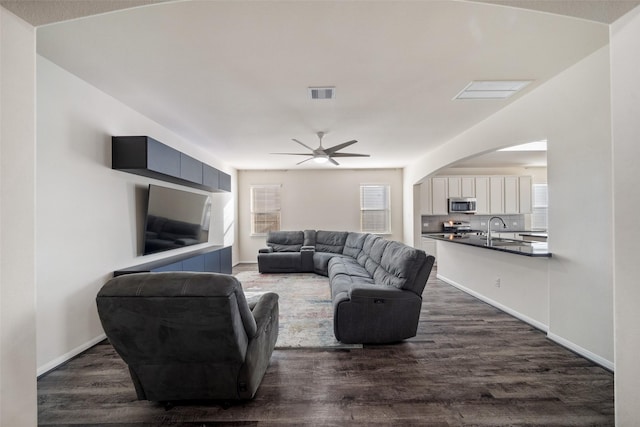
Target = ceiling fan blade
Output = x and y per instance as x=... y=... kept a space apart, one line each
x=303 y=144
x=333 y=161
x=295 y=154
x=305 y=160
x=349 y=155
x=335 y=148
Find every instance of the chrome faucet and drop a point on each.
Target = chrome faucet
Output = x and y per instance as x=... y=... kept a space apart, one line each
x=504 y=225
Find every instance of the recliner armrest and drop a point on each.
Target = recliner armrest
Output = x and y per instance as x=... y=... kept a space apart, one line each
x=308 y=248
x=265 y=250
x=264 y=309
x=379 y=291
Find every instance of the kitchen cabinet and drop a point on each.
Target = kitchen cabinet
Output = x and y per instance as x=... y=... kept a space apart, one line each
x=426 y=207
x=525 y=189
x=468 y=186
x=482 y=195
x=455 y=186
x=496 y=195
x=511 y=195
x=440 y=195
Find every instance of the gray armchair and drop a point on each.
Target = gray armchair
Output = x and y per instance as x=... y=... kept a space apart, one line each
x=188 y=336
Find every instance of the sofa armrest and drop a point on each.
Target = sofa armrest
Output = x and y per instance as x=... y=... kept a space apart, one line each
x=265 y=250
x=308 y=248
x=263 y=310
x=379 y=291
x=375 y=314
x=260 y=346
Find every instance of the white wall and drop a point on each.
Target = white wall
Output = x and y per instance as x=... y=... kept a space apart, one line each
x=89 y=217
x=576 y=124
x=522 y=291
x=625 y=100
x=18 y=402
x=327 y=199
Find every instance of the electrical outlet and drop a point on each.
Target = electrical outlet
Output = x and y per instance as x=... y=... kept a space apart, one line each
x=498 y=282
x=483 y=223
x=515 y=223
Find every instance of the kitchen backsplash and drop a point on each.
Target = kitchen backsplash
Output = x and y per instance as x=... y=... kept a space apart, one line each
x=433 y=223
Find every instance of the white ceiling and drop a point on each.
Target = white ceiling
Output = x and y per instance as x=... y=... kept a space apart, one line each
x=232 y=76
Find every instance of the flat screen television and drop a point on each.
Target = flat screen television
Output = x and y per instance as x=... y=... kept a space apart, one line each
x=175 y=219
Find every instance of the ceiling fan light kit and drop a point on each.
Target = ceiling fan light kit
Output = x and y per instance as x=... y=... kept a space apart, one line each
x=323 y=155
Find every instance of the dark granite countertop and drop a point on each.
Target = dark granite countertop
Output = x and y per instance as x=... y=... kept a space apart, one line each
x=518 y=247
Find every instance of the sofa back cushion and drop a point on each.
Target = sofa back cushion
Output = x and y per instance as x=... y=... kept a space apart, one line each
x=353 y=245
x=285 y=241
x=399 y=267
x=309 y=238
x=371 y=253
x=330 y=241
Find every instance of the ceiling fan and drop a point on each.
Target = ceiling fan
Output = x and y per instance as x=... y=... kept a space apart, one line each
x=322 y=155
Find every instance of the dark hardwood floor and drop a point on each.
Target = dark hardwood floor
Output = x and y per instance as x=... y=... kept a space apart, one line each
x=470 y=364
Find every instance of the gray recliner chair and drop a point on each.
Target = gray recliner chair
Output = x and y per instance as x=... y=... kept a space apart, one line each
x=189 y=336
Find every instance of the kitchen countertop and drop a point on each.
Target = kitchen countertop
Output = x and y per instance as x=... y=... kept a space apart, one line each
x=533 y=233
x=518 y=247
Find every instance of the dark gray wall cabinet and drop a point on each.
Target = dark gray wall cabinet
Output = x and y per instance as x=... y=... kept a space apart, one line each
x=143 y=155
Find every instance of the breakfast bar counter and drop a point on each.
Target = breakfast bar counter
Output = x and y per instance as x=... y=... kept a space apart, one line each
x=518 y=247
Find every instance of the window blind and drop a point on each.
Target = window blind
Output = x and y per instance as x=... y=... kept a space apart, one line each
x=375 y=212
x=540 y=207
x=265 y=208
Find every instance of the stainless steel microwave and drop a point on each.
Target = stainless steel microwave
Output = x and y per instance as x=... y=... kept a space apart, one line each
x=462 y=205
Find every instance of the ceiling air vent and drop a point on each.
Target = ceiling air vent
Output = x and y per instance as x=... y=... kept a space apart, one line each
x=325 y=92
x=491 y=89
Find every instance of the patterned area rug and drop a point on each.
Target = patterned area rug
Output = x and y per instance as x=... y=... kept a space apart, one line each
x=306 y=312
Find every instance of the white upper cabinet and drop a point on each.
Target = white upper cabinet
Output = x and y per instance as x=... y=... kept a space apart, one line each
x=482 y=195
x=511 y=195
x=468 y=186
x=494 y=194
x=455 y=188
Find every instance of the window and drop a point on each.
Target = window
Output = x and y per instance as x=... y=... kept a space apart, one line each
x=540 y=207
x=265 y=208
x=375 y=213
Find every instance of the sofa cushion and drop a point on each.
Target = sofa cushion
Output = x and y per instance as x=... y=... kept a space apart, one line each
x=321 y=262
x=353 y=245
x=363 y=256
x=342 y=283
x=399 y=266
x=330 y=241
x=285 y=241
x=346 y=265
x=375 y=256
x=309 y=238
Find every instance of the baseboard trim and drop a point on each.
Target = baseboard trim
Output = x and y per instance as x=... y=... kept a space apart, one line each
x=58 y=361
x=607 y=364
x=535 y=323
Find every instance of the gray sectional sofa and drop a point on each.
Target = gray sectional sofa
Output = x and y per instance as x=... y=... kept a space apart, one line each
x=376 y=284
